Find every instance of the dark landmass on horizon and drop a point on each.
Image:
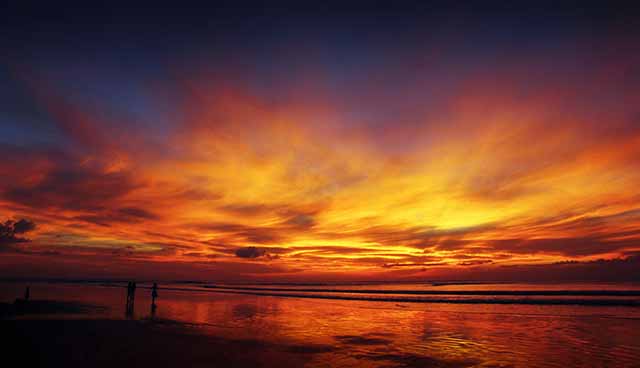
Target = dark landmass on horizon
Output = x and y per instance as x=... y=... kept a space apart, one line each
x=603 y=270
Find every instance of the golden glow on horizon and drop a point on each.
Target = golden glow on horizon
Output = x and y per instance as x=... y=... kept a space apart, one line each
x=499 y=182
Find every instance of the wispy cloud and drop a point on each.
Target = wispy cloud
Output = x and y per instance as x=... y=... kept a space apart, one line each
x=529 y=165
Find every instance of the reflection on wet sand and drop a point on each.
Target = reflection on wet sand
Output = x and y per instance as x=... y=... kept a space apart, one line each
x=346 y=333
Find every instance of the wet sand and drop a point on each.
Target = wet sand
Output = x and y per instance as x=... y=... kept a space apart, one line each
x=36 y=342
x=111 y=343
x=86 y=325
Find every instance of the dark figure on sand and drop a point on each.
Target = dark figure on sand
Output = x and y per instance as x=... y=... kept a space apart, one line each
x=154 y=295
x=131 y=295
x=128 y=307
x=26 y=294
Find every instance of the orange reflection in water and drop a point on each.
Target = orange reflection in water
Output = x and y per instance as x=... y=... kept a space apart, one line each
x=348 y=333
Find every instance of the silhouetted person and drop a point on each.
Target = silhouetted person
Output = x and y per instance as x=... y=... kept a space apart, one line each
x=131 y=289
x=154 y=295
x=133 y=294
x=26 y=294
x=128 y=305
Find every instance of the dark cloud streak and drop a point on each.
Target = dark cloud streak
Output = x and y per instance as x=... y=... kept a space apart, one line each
x=11 y=232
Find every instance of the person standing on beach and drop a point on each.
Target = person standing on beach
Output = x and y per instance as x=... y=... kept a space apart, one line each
x=128 y=308
x=133 y=294
x=26 y=294
x=154 y=295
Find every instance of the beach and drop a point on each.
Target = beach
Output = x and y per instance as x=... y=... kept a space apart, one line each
x=110 y=343
x=320 y=184
x=87 y=326
x=45 y=342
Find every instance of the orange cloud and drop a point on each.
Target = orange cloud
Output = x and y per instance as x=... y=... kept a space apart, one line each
x=514 y=171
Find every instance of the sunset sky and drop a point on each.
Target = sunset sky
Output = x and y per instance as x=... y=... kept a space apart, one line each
x=319 y=144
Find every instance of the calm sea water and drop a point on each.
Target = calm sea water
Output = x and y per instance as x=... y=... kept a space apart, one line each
x=483 y=325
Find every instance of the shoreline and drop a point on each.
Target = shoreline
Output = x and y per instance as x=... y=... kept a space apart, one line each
x=248 y=333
